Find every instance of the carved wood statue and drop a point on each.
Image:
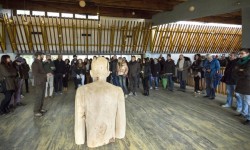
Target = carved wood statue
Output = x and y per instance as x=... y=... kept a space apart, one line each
x=99 y=108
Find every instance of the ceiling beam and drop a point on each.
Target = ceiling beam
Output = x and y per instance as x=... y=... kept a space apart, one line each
x=219 y=19
x=202 y=9
x=75 y=8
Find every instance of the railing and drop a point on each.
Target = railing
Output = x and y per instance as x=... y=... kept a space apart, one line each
x=221 y=88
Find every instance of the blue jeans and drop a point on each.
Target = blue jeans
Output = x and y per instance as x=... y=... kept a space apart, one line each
x=210 y=87
x=230 y=92
x=182 y=82
x=122 y=81
x=154 y=80
x=239 y=102
x=246 y=102
x=115 y=80
x=170 y=82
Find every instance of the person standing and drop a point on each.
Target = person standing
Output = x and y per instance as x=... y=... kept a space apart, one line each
x=196 y=71
x=145 y=74
x=122 y=72
x=156 y=68
x=66 y=77
x=113 y=66
x=169 y=70
x=26 y=69
x=80 y=72
x=134 y=71
x=212 y=67
x=59 y=74
x=242 y=71
x=8 y=74
x=229 y=80
x=49 y=68
x=40 y=78
x=182 y=71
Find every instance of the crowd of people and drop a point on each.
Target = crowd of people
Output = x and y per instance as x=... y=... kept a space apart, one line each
x=52 y=76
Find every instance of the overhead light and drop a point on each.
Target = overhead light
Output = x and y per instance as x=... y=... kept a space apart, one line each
x=133 y=13
x=82 y=3
x=191 y=8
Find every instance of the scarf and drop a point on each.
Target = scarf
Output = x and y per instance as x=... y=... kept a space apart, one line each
x=244 y=60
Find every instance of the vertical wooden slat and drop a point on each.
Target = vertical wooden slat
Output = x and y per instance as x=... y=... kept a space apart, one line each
x=38 y=36
x=112 y=36
x=21 y=41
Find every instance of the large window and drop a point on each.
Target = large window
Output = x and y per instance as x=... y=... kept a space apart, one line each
x=38 y=13
x=67 y=15
x=53 y=14
x=22 y=12
x=79 y=16
x=93 y=17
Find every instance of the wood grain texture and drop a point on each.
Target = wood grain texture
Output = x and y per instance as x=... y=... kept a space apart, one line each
x=164 y=120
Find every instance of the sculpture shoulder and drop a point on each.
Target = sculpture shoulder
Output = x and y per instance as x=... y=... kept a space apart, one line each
x=102 y=86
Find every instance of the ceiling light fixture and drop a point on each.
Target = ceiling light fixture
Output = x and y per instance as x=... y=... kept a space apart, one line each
x=191 y=8
x=82 y=3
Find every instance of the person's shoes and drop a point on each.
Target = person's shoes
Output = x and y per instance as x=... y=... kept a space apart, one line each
x=206 y=96
x=239 y=115
x=156 y=88
x=147 y=93
x=43 y=111
x=56 y=93
x=247 y=122
x=130 y=94
x=20 y=104
x=238 y=110
x=225 y=106
x=171 y=90
x=38 y=114
x=61 y=93
x=212 y=98
x=22 y=96
x=126 y=96
x=51 y=97
x=151 y=88
x=134 y=94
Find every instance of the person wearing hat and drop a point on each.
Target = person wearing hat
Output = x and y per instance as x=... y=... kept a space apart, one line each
x=40 y=78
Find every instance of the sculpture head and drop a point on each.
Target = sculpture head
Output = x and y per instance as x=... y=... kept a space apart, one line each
x=99 y=69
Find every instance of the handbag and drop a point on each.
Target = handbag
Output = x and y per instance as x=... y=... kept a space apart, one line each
x=3 y=87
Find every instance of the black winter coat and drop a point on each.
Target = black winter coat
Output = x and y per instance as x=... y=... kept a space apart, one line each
x=243 y=78
x=169 y=67
x=146 y=70
x=156 y=70
x=228 y=78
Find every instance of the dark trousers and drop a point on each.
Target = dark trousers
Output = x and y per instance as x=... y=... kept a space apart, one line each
x=182 y=81
x=76 y=82
x=145 y=81
x=210 y=89
x=133 y=83
x=65 y=81
x=196 y=83
x=6 y=101
x=27 y=85
x=58 y=82
x=40 y=92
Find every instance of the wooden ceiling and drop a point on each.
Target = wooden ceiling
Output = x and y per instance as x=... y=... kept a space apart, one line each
x=114 y=8
x=28 y=34
x=228 y=18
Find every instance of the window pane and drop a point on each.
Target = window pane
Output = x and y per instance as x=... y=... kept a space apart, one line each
x=80 y=16
x=94 y=17
x=23 y=12
x=67 y=15
x=53 y=14
x=38 y=13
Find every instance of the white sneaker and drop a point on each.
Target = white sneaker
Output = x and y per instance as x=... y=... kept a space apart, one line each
x=156 y=88
x=22 y=96
x=151 y=88
x=126 y=96
x=130 y=94
x=225 y=106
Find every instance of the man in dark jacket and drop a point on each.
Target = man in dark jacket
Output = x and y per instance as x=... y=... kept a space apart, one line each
x=113 y=68
x=242 y=71
x=59 y=74
x=156 y=68
x=169 y=70
x=40 y=78
x=134 y=70
x=229 y=80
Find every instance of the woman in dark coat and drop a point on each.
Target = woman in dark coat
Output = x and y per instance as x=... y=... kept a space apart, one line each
x=145 y=74
x=8 y=74
x=156 y=73
x=66 y=77
x=80 y=71
x=196 y=72
x=26 y=69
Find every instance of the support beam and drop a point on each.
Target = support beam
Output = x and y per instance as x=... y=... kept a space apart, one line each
x=246 y=27
x=202 y=9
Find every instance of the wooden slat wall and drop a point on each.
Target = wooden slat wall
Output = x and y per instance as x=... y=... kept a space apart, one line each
x=185 y=38
x=68 y=36
x=2 y=37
